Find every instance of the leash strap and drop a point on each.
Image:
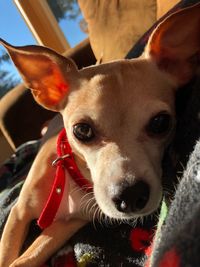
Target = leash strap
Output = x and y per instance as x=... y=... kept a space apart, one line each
x=64 y=160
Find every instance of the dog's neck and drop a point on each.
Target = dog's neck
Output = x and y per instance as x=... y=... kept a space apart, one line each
x=65 y=160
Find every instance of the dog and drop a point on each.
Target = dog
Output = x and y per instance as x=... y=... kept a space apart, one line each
x=119 y=118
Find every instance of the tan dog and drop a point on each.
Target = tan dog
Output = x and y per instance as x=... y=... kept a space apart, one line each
x=119 y=118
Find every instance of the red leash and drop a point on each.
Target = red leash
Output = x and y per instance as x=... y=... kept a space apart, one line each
x=64 y=160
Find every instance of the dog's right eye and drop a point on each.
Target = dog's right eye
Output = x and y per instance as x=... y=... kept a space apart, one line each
x=160 y=124
x=83 y=132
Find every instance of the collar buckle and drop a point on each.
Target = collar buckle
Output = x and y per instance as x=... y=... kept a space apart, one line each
x=54 y=163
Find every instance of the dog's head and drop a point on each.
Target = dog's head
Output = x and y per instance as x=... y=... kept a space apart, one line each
x=119 y=116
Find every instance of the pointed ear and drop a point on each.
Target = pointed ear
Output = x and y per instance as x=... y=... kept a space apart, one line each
x=48 y=74
x=175 y=44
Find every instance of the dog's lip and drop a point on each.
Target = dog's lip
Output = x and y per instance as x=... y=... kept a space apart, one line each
x=128 y=216
x=146 y=211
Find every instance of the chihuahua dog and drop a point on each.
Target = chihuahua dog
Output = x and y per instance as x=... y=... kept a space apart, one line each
x=119 y=118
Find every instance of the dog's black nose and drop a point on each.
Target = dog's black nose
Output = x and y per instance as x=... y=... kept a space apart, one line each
x=132 y=198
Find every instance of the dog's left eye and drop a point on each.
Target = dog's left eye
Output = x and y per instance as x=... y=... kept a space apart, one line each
x=83 y=132
x=160 y=124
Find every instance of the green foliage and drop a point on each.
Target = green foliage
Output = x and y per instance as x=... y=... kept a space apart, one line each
x=4 y=57
x=7 y=81
x=64 y=9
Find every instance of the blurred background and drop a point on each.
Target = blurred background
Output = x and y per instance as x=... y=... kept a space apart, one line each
x=57 y=24
x=20 y=22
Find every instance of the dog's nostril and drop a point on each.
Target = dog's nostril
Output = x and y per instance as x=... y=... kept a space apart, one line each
x=121 y=205
x=141 y=202
x=132 y=198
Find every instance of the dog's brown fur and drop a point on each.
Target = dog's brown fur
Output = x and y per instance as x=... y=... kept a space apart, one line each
x=118 y=100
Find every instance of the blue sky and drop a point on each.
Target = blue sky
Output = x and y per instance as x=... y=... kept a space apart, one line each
x=14 y=30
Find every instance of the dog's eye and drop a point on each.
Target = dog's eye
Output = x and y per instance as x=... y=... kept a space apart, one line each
x=159 y=124
x=83 y=132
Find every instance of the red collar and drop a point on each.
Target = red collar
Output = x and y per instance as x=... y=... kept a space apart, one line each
x=64 y=160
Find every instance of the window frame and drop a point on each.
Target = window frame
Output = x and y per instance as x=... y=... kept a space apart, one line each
x=43 y=24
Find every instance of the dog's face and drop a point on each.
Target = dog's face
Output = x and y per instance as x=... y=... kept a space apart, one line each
x=119 y=116
x=119 y=120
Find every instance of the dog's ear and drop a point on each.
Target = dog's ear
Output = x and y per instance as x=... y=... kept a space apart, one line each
x=48 y=74
x=175 y=44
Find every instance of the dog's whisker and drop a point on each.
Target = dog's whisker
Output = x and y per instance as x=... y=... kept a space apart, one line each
x=89 y=204
x=94 y=208
x=101 y=217
x=109 y=221
x=75 y=190
x=95 y=214
x=85 y=205
x=87 y=196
